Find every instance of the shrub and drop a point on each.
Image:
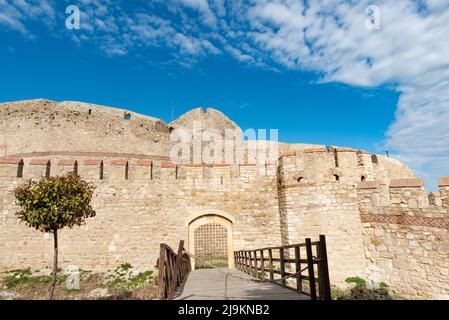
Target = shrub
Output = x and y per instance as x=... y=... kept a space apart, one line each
x=360 y=282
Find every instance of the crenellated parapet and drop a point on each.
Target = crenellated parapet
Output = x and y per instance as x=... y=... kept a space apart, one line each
x=405 y=194
x=440 y=198
x=405 y=232
x=140 y=170
x=344 y=165
x=11 y=168
x=38 y=168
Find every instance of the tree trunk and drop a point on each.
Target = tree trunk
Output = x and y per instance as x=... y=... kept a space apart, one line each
x=55 y=264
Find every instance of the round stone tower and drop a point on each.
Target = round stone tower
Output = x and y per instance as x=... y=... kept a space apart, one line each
x=206 y=118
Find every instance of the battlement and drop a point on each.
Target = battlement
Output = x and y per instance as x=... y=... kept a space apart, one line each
x=401 y=193
x=133 y=169
x=345 y=165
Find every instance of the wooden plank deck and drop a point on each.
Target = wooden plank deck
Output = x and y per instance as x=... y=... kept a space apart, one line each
x=211 y=284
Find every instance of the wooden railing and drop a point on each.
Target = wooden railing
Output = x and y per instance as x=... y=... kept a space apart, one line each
x=300 y=267
x=173 y=270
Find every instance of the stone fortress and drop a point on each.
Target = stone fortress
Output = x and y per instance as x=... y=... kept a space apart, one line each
x=379 y=221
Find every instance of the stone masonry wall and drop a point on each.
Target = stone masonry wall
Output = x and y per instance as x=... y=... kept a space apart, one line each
x=42 y=126
x=379 y=221
x=390 y=231
x=313 y=207
x=135 y=215
x=406 y=237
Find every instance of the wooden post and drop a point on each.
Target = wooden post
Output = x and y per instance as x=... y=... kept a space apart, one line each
x=262 y=265
x=235 y=260
x=255 y=264
x=182 y=271
x=176 y=280
x=240 y=260
x=325 y=287
x=282 y=261
x=270 y=264
x=310 y=269
x=319 y=275
x=251 y=261
x=160 y=277
x=298 y=269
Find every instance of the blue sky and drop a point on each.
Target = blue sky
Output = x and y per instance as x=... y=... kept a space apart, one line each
x=313 y=71
x=292 y=101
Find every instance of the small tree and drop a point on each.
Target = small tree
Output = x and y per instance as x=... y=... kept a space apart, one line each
x=52 y=204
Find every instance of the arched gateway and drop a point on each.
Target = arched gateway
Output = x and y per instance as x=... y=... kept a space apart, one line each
x=211 y=242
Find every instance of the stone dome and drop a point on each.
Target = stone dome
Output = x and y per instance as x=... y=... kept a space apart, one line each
x=209 y=118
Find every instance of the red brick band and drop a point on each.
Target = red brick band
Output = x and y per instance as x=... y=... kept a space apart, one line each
x=63 y=163
x=119 y=163
x=167 y=164
x=38 y=162
x=93 y=162
x=11 y=161
x=144 y=162
x=407 y=220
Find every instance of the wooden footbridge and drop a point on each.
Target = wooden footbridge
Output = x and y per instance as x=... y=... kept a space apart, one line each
x=293 y=272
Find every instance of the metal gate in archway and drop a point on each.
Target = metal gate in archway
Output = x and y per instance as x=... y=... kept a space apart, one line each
x=211 y=246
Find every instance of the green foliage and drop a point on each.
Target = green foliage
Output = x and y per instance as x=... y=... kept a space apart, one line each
x=15 y=278
x=357 y=280
x=55 y=202
x=126 y=266
x=361 y=292
x=336 y=292
x=141 y=279
x=122 y=278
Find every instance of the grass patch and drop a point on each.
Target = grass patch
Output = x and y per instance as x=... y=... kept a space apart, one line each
x=16 y=278
x=122 y=278
x=142 y=278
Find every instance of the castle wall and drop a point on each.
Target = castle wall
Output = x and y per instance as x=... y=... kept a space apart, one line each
x=42 y=126
x=315 y=205
x=379 y=221
x=406 y=237
x=389 y=230
x=139 y=204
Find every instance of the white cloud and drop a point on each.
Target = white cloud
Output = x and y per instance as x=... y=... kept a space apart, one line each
x=410 y=50
x=13 y=14
x=202 y=6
